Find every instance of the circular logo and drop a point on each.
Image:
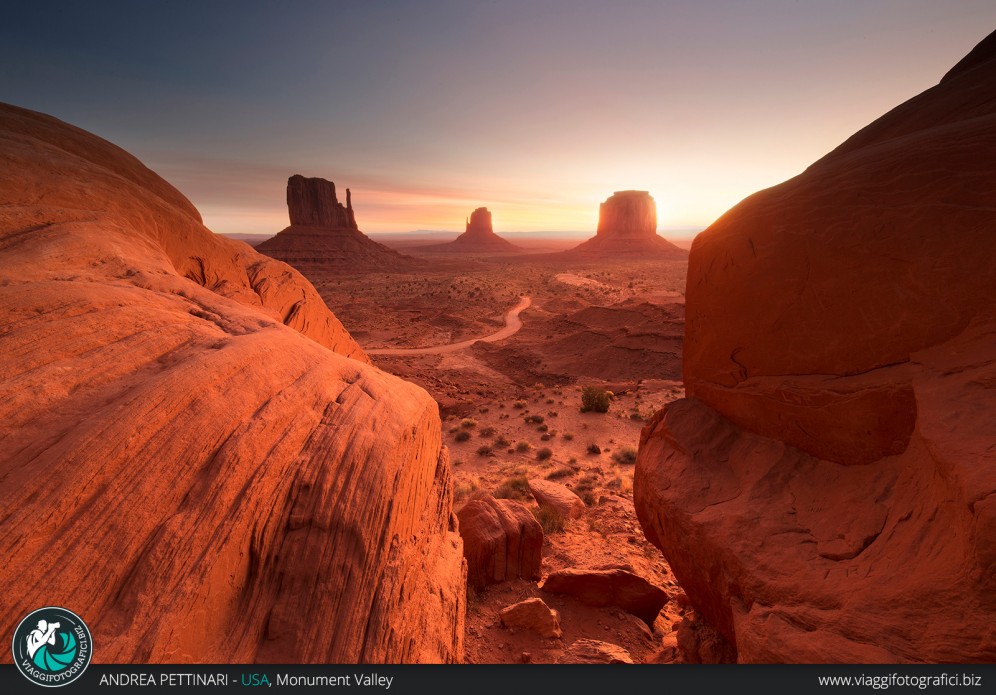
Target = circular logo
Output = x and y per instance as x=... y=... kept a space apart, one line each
x=52 y=646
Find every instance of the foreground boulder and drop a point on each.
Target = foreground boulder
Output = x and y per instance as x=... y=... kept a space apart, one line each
x=609 y=586
x=591 y=651
x=557 y=497
x=532 y=614
x=196 y=457
x=501 y=540
x=826 y=491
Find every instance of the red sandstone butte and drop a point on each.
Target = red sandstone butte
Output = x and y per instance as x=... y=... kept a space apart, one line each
x=196 y=457
x=827 y=490
x=323 y=234
x=627 y=226
x=478 y=237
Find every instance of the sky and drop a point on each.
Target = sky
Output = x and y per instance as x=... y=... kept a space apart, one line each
x=538 y=110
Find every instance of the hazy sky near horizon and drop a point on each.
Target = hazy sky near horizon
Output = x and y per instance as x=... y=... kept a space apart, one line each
x=426 y=110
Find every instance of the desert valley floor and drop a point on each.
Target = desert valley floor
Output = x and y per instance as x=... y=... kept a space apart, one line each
x=511 y=412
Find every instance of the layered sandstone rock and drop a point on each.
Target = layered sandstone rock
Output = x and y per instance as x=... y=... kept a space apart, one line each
x=826 y=492
x=196 y=457
x=478 y=237
x=501 y=540
x=323 y=234
x=627 y=226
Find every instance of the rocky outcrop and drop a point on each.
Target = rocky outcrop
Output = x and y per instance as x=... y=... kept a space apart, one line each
x=591 y=651
x=627 y=226
x=825 y=493
x=323 y=234
x=501 y=540
x=609 y=586
x=534 y=615
x=557 y=497
x=189 y=438
x=478 y=237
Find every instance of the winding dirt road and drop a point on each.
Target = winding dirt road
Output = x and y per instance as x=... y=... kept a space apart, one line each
x=512 y=325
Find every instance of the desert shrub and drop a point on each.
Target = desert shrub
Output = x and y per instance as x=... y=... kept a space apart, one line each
x=585 y=489
x=625 y=455
x=552 y=413
x=487 y=431
x=463 y=490
x=534 y=419
x=468 y=423
x=514 y=488
x=635 y=415
x=484 y=450
x=523 y=447
x=595 y=399
x=462 y=436
x=550 y=401
x=519 y=404
x=545 y=437
x=549 y=518
x=544 y=453
x=542 y=428
x=568 y=436
x=559 y=473
x=594 y=448
x=501 y=442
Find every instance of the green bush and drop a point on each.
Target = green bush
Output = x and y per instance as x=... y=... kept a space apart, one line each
x=595 y=399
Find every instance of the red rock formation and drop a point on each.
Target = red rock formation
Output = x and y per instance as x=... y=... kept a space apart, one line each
x=501 y=541
x=532 y=614
x=627 y=226
x=609 y=586
x=557 y=497
x=826 y=492
x=591 y=651
x=323 y=234
x=479 y=237
x=196 y=479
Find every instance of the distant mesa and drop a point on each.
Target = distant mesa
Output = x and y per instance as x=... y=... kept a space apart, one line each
x=627 y=226
x=478 y=237
x=323 y=233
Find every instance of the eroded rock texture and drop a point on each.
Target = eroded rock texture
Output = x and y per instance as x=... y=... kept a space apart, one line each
x=478 y=237
x=826 y=491
x=194 y=454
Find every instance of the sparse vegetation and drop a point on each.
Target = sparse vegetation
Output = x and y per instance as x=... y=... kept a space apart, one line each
x=585 y=489
x=595 y=399
x=533 y=419
x=625 y=455
x=542 y=428
x=567 y=436
x=462 y=436
x=519 y=404
x=594 y=449
x=523 y=447
x=549 y=518
x=545 y=437
x=559 y=473
x=465 y=489
x=514 y=488
x=501 y=442
x=487 y=431
x=544 y=453
x=484 y=450
x=468 y=423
